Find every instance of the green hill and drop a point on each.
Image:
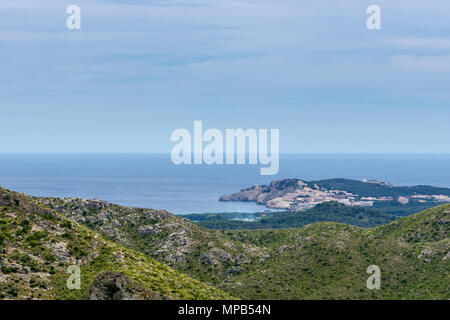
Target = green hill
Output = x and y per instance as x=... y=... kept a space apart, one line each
x=329 y=260
x=319 y=261
x=38 y=244
x=325 y=260
x=206 y=255
x=375 y=188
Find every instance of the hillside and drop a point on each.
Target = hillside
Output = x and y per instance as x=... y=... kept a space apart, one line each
x=319 y=261
x=329 y=260
x=206 y=255
x=38 y=244
x=117 y=247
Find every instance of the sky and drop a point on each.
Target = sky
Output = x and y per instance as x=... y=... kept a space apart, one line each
x=137 y=70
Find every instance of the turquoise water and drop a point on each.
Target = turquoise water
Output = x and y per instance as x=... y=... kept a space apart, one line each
x=151 y=180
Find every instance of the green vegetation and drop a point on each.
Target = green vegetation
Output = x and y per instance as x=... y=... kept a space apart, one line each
x=325 y=260
x=200 y=253
x=38 y=245
x=397 y=209
x=329 y=260
x=365 y=189
x=328 y=211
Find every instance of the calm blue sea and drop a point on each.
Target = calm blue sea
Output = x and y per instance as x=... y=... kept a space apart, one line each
x=151 y=180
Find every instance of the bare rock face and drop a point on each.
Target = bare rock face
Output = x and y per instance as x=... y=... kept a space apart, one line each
x=446 y=257
x=241 y=259
x=426 y=255
x=269 y=195
x=209 y=259
x=148 y=230
x=216 y=256
x=249 y=194
x=96 y=204
x=117 y=286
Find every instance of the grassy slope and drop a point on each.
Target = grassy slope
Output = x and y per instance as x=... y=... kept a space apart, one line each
x=37 y=245
x=329 y=260
x=322 y=260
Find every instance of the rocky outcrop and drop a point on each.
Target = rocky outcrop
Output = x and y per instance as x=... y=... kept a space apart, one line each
x=263 y=194
x=250 y=194
x=279 y=194
x=297 y=195
x=148 y=231
x=215 y=257
x=117 y=286
x=171 y=239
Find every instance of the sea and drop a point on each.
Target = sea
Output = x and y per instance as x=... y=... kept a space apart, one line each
x=153 y=181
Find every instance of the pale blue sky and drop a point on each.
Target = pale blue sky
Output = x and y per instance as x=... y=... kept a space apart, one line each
x=139 y=69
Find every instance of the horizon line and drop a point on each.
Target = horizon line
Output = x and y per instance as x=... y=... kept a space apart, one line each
x=281 y=153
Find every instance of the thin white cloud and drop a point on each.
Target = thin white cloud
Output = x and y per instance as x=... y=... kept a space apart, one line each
x=439 y=64
x=420 y=42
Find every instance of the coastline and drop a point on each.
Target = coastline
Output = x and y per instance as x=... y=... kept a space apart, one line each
x=152 y=181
